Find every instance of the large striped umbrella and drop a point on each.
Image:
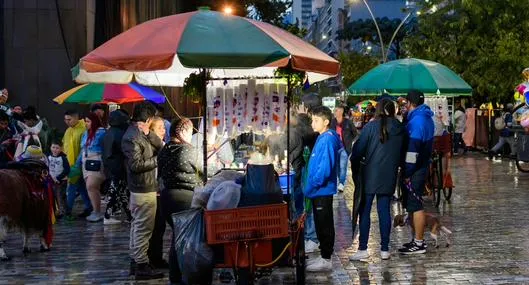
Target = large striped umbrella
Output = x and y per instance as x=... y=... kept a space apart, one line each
x=109 y=93
x=166 y=50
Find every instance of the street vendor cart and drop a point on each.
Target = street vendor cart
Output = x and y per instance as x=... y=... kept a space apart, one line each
x=217 y=46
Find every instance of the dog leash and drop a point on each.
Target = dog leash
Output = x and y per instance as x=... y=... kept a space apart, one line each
x=408 y=186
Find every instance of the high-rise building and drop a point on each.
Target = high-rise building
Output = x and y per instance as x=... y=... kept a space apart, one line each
x=303 y=10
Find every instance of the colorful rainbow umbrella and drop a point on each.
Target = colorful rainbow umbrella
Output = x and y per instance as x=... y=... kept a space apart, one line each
x=109 y=93
x=164 y=51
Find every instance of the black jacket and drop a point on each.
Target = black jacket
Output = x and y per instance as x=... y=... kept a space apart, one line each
x=349 y=132
x=113 y=157
x=382 y=159
x=179 y=166
x=140 y=159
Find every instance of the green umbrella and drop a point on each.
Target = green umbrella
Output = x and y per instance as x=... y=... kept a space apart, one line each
x=403 y=75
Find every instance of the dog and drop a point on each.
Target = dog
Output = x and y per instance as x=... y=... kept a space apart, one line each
x=432 y=222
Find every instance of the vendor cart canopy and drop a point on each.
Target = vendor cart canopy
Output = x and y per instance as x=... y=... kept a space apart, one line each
x=166 y=50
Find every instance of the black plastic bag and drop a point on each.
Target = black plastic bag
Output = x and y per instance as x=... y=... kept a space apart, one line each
x=195 y=257
x=260 y=186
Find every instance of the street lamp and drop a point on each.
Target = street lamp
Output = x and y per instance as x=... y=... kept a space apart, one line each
x=376 y=26
x=228 y=10
x=409 y=7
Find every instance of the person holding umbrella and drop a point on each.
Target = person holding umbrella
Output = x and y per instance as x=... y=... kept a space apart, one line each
x=380 y=149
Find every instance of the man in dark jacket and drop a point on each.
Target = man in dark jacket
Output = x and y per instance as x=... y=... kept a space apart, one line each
x=139 y=147
x=114 y=162
x=347 y=132
x=420 y=129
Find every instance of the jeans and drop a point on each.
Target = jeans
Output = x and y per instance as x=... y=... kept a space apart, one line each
x=324 y=222
x=344 y=158
x=71 y=193
x=384 y=220
x=143 y=210
x=299 y=202
x=505 y=140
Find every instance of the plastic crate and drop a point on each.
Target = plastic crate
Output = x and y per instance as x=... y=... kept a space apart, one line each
x=248 y=223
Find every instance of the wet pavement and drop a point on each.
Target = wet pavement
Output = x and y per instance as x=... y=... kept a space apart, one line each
x=488 y=216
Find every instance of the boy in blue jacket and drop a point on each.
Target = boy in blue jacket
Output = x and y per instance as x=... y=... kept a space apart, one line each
x=321 y=185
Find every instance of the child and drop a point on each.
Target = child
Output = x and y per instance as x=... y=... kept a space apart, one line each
x=321 y=185
x=59 y=170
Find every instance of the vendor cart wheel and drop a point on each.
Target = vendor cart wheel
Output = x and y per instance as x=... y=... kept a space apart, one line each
x=300 y=262
x=522 y=166
x=447 y=192
x=244 y=277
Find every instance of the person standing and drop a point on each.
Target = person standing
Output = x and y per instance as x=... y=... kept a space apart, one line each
x=420 y=129
x=321 y=185
x=114 y=162
x=347 y=132
x=72 y=148
x=180 y=169
x=59 y=170
x=460 y=121
x=506 y=135
x=90 y=160
x=380 y=146
x=140 y=147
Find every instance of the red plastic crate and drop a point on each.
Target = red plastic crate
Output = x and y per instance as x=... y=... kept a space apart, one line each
x=248 y=223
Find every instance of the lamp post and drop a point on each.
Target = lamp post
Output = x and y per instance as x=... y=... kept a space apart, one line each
x=376 y=26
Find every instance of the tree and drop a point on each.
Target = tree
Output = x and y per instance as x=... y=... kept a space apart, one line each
x=365 y=30
x=353 y=65
x=485 y=44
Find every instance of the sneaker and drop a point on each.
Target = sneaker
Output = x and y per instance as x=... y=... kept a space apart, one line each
x=341 y=187
x=320 y=264
x=413 y=241
x=311 y=246
x=111 y=221
x=145 y=272
x=359 y=255
x=413 y=248
x=95 y=217
x=385 y=255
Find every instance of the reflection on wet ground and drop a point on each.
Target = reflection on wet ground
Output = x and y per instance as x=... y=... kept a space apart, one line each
x=488 y=216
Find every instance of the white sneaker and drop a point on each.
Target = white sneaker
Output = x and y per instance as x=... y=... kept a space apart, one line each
x=320 y=264
x=341 y=187
x=95 y=217
x=359 y=255
x=385 y=255
x=311 y=246
x=111 y=221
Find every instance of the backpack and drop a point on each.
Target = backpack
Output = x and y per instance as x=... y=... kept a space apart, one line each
x=499 y=123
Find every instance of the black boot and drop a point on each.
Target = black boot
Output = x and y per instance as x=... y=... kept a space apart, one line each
x=144 y=271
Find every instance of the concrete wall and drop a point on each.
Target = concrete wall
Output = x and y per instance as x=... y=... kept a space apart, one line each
x=36 y=66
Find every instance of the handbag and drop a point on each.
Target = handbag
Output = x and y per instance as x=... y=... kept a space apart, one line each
x=90 y=164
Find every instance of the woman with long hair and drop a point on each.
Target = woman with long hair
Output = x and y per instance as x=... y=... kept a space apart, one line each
x=380 y=148
x=180 y=168
x=91 y=162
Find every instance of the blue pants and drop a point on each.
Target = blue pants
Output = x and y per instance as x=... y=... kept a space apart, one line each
x=344 y=158
x=384 y=220
x=71 y=194
x=299 y=202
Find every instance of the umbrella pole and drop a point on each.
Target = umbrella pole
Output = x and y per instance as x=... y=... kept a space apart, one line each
x=289 y=95
x=203 y=72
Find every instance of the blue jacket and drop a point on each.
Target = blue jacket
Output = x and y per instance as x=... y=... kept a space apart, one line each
x=323 y=166
x=420 y=139
x=96 y=146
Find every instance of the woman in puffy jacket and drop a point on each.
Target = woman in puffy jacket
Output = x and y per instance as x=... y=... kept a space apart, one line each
x=180 y=167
